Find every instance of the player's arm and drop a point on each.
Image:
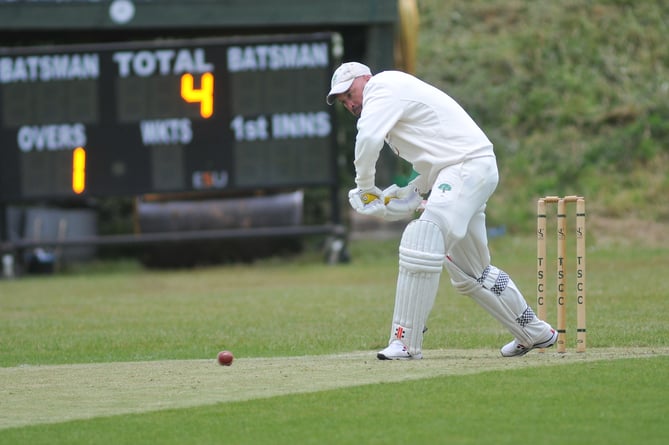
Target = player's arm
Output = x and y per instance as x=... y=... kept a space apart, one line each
x=380 y=112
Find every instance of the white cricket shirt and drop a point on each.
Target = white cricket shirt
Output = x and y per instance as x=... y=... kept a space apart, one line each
x=422 y=124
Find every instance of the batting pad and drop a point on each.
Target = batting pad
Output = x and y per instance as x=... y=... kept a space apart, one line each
x=421 y=261
x=497 y=293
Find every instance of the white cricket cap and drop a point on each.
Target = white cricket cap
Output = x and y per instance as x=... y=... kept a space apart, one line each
x=344 y=76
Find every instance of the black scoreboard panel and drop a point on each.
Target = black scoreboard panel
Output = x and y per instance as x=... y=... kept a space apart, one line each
x=167 y=116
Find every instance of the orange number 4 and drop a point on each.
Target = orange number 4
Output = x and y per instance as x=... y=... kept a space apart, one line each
x=204 y=95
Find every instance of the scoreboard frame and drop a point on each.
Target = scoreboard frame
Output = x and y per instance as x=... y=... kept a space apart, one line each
x=226 y=114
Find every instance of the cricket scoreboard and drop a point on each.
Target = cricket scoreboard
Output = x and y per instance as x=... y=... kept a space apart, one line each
x=166 y=116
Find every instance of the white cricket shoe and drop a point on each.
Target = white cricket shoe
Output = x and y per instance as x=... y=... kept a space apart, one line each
x=396 y=350
x=515 y=349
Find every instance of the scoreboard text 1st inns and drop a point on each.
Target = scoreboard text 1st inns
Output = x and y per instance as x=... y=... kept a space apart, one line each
x=166 y=116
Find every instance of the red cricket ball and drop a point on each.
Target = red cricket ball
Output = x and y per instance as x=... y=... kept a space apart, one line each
x=225 y=358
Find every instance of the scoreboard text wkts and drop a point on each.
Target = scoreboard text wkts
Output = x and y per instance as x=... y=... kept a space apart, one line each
x=170 y=116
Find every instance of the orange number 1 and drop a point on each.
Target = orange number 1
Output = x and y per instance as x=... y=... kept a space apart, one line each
x=78 y=170
x=204 y=95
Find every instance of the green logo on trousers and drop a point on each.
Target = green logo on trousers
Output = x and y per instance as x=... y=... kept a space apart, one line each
x=444 y=187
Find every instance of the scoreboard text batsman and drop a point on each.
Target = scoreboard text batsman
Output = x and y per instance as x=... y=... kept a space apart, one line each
x=169 y=116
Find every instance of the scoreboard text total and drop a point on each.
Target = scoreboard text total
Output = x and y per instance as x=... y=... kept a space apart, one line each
x=165 y=117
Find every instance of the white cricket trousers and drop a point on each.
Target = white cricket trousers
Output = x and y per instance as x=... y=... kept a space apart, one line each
x=457 y=205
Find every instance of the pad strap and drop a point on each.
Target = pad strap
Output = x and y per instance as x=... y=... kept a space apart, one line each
x=494 y=279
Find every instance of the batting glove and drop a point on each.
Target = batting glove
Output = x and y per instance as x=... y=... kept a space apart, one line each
x=401 y=202
x=367 y=202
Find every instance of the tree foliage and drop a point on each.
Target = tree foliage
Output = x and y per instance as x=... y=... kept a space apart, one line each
x=574 y=95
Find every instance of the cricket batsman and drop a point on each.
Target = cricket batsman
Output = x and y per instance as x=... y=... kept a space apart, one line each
x=457 y=172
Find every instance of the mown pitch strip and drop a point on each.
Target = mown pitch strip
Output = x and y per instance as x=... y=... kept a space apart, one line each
x=51 y=394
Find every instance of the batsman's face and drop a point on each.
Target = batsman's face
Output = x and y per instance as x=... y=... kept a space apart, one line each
x=352 y=99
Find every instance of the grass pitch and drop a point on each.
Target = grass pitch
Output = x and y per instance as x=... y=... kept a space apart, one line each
x=60 y=393
x=113 y=353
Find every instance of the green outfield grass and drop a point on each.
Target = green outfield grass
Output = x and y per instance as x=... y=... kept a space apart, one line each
x=103 y=314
